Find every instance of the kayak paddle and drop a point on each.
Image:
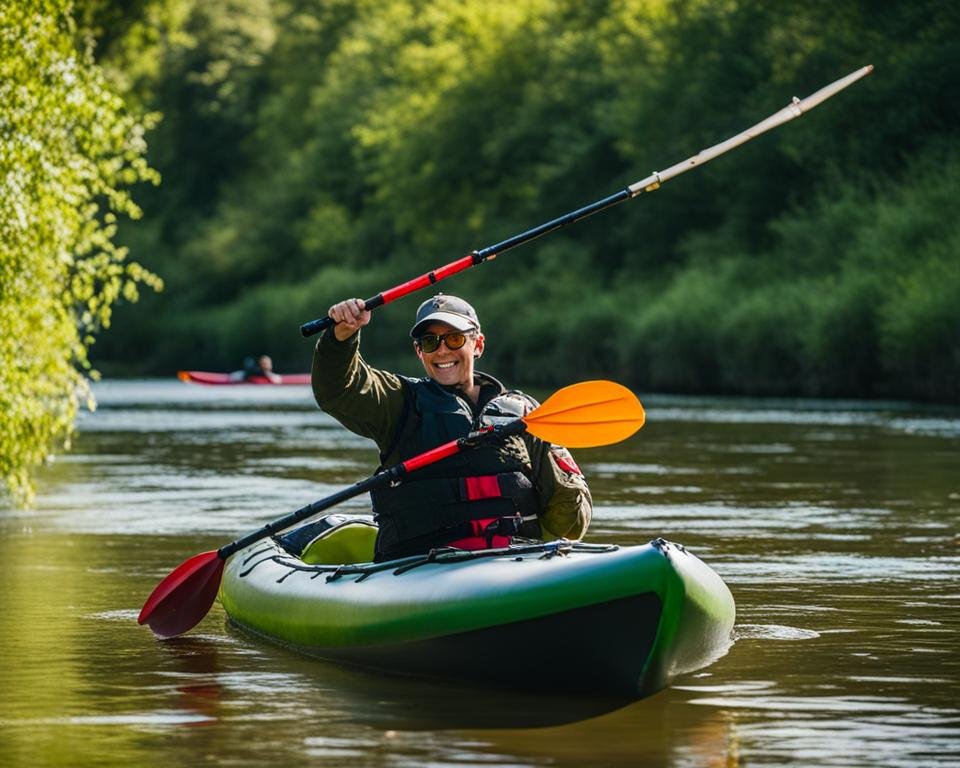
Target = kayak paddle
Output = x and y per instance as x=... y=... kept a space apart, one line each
x=582 y=415
x=653 y=182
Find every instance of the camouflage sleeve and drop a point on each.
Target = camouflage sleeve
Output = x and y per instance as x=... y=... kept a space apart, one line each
x=366 y=400
x=566 y=504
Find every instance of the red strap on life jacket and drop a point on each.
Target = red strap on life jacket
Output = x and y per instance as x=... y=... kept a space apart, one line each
x=480 y=539
x=476 y=488
x=484 y=487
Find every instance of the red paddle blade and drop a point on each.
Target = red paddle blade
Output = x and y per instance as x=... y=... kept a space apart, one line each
x=184 y=597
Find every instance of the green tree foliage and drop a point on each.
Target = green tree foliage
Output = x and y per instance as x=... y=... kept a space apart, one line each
x=68 y=154
x=316 y=149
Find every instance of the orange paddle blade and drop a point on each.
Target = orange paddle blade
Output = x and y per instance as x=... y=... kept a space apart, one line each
x=587 y=414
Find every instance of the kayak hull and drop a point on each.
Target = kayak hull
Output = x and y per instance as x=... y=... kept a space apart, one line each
x=229 y=379
x=608 y=620
x=614 y=638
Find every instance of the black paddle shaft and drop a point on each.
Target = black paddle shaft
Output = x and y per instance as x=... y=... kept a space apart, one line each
x=378 y=480
x=394 y=474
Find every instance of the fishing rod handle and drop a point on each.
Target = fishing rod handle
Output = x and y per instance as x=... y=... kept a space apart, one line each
x=315 y=326
x=392 y=294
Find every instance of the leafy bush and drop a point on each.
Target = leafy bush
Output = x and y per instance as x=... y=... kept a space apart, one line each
x=68 y=152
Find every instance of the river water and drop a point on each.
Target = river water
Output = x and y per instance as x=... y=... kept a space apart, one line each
x=835 y=524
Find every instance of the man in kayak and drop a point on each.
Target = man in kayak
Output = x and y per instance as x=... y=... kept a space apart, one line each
x=478 y=498
x=260 y=367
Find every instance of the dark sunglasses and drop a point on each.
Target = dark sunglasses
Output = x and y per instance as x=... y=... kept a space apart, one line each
x=430 y=342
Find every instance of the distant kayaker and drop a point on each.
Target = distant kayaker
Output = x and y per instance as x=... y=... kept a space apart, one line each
x=261 y=367
x=478 y=498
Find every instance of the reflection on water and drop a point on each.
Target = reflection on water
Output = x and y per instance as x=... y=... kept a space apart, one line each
x=834 y=524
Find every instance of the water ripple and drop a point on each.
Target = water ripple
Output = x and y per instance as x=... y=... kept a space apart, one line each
x=772 y=632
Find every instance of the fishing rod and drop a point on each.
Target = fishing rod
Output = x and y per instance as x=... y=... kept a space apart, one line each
x=651 y=183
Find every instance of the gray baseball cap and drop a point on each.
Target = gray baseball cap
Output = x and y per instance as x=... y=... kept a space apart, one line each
x=451 y=310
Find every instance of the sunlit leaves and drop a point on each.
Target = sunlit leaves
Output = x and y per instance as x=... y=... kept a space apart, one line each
x=68 y=153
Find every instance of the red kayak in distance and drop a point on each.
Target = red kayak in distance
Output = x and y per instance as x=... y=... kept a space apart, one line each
x=234 y=379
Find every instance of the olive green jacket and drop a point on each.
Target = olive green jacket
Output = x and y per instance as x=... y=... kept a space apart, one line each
x=370 y=402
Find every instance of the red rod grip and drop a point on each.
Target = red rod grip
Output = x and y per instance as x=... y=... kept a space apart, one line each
x=423 y=281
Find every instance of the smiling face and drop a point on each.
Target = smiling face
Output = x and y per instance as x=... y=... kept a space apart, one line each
x=451 y=367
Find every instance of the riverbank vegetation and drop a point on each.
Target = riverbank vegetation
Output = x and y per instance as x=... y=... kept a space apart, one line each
x=319 y=149
x=313 y=150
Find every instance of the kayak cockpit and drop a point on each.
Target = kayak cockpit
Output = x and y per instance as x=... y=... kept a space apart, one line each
x=333 y=540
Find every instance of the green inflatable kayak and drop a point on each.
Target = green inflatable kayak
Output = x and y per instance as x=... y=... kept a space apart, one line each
x=604 y=619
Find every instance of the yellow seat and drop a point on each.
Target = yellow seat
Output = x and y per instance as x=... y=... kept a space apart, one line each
x=351 y=542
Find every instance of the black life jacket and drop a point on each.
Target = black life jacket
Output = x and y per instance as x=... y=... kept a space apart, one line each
x=479 y=497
